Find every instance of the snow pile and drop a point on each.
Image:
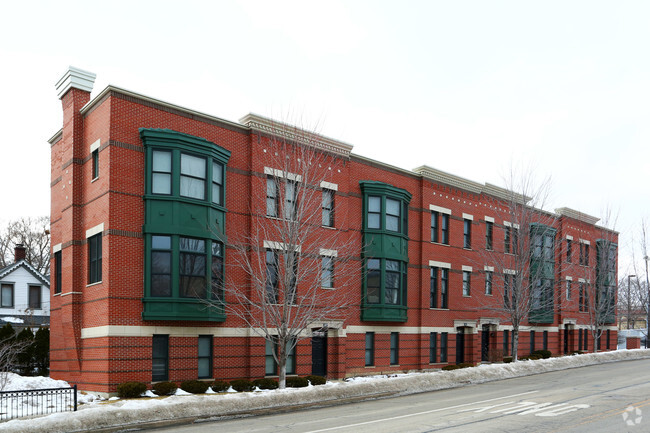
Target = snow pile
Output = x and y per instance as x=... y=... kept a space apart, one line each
x=130 y=412
x=10 y=319
x=16 y=382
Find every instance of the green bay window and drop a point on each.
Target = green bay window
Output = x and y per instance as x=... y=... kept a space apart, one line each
x=184 y=230
x=385 y=231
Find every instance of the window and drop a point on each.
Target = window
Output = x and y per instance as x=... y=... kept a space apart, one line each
x=217 y=183
x=374 y=212
x=328 y=208
x=394 y=348
x=161 y=266
x=545 y=340
x=393 y=215
x=433 y=288
x=542 y=292
x=271 y=368
x=161 y=173
x=327 y=272
x=608 y=340
x=508 y=280
x=272 y=276
x=569 y=250
x=192 y=268
x=506 y=239
x=271 y=197
x=433 y=342
x=57 y=272
x=390 y=209
x=443 y=346
x=217 y=271
x=434 y=226
x=489 y=227
x=515 y=240
x=444 y=292
x=584 y=254
x=532 y=341
x=160 y=358
x=506 y=344
x=95 y=259
x=579 y=339
x=467 y=233
x=290 y=200
x=95 y=163
x=370 y=349
x=583 y=299
x=189 y=276
x=7 y=295
x=466 y=283
x=488 y=282
x=445 y=229
x=386 y=275
x=193 y=175
x=585 y=340
x=35 y=297
x=568 y=290
x=205 y=356
x=291 y=262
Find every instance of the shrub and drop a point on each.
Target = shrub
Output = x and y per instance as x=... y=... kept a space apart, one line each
x=131 y=389
x=164 y=388
x=451 y=367
x=316 y=380
x=194 y=386
x=266 y=383
x=242 y=385
x=507 y=359
x=534 y=356
x=465 y=365
x=219 y=386
x=543 y=353
x=297 y=382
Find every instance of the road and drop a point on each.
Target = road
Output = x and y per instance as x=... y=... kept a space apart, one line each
x=607 y=398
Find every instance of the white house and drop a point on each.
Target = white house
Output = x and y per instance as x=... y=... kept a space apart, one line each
x=24 y=294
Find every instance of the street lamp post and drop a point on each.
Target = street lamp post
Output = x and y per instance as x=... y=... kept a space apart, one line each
x=647 y=285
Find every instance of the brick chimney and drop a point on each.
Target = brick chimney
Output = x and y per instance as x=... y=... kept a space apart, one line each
x=19 y=253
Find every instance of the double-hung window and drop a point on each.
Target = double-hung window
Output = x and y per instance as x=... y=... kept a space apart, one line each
x=467 y=283
x=95 y=163
x=443 y=346
x=290 y=200
x=205 y=356
x=433 y=347
x=489 y=229
x=327 y=272
x=272 y=276
x=393 y=215
x=467 y=233
x=434 y=226
x=95 y=258
x=271 y=197
x=370 y=349
x=569 y=250
x=271 y=368
x=444 y=288
x=438 y=285
x=7 y=295
x=35 y=297
x=58 y=265
x=161 y=266
x=488 y=282
x=160 y=358
x=394 y=348
x=193 y=175
x=217 y=271
x=161 y=172
x=444 y=227
x=328 y=208
x=192 y=269
x=374 y=212
x=217 y=183
x=433 y=287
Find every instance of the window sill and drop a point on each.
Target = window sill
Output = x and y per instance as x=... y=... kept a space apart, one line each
x=328 y=288
x=441 y=309
x=467 y=296
x=438 y=243
x=94 y=179
x=329 y=227
x=93 y=284
x=467 y=248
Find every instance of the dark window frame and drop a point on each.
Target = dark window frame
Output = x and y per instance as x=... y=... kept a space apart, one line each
x=94 y=156
x=433 y=287
x=467 y=233
x=35 y=302
x=433 y=347
x=434 y=226
x=193 y=177
x=58 y=274
x=467 y=283
x=444 y=229
x=444 y=288
x=160 y=354
x=394 y=348
x=327 y=205
x=3 y=303
x=488 y=282
x=444 y=346
x=272 y=275
x=370 y=349
x=489 y=235
x=209 y=357
x=272 y=197
x=95 y=259
x=327 y=272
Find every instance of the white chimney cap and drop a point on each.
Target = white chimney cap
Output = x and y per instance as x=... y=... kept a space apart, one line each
x=77 y=78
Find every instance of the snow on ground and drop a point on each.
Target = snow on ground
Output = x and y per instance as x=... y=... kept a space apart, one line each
x=10 y=319
x=101 y=414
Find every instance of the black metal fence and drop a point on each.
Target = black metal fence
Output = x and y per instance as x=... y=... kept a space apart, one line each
x=18 y=404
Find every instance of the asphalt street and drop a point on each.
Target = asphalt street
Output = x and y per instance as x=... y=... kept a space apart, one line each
x=608 y=398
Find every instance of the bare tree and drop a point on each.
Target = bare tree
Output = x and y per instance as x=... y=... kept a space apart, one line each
x=34 y=234
x=11 y=349
x=521 y=270
x=295 y=260
x=597 y=294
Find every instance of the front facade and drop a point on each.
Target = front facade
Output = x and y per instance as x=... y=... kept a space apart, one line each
x=141 y=188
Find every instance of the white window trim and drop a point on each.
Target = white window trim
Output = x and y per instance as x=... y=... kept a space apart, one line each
x=329 y=185
x=509 y=224
x=489 y=219
x=94 y=230
x=56 y=248
x=467 y=216
x=585 y=241
x=510 y=271
x=95 y=146
x=433 y=207
x=467 y=268
x=582 y=280
x=567 y=278
x=488 y=268
x=569 y=237
x=272 y=245
x=282 y=174
x=435 y=264
x=329 y=253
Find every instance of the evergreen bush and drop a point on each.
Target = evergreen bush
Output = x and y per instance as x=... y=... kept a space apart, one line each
x=266 y=383
x=164 y=388
x=297 y=382
x=194 y=386
x=242 y=385
x=219 y=386
x=131 y=389
x=316 y=380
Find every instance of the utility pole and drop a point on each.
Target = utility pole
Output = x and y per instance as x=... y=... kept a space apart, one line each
x=647 y=285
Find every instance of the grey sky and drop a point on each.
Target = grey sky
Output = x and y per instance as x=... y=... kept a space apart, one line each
x=465 y=87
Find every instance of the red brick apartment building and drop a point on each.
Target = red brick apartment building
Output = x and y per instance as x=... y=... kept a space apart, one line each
x=117 y=164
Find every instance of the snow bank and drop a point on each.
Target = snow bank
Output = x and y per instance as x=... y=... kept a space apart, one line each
x=126 y=412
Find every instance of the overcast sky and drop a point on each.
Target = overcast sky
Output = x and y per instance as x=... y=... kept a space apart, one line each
x=466 y=87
